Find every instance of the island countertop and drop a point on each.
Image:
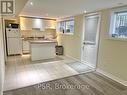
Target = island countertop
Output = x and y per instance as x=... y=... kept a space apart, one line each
x=42 y=41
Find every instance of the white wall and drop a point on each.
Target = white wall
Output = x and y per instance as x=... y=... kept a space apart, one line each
x=2 y=62
x=72 y=43
x=112 y=56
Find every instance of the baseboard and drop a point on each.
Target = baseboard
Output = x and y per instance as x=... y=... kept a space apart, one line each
x=81 y=61
x=112 y=77
x=73 y=58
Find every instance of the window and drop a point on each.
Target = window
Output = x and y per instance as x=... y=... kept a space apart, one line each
x=62 y=26
x=67 y=27
x=70 y=26
x=91 y=28
x=118 y=28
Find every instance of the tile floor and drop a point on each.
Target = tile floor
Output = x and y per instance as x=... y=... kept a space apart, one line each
x=21 y=72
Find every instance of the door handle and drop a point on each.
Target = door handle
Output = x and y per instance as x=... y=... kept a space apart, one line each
x=83 y=46
x=84 y=43
x=89 y=43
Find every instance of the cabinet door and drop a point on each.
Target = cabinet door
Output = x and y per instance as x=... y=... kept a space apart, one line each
x=26 y=47
x=26 y=23
x=50 y=24
x=39 y=24
x=36 y=23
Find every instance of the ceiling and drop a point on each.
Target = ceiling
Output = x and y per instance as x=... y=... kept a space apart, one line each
x=19 y=5
x=65 y=8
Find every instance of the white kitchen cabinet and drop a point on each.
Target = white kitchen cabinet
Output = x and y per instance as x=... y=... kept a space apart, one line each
x=40 y=50
x=38 y=24
x=26 y=47
x=27 y=23
x=50 y=24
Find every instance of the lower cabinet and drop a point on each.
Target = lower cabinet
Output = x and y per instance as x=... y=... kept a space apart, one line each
x=26 y=47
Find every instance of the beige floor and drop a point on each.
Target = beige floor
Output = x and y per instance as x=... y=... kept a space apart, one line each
x=21 y=72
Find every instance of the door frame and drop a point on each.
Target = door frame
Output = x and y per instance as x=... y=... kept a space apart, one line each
x=2 y=60
x=97 y=40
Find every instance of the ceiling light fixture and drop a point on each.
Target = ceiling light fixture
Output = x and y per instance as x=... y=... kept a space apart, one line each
x=85 y=11
x=31 y=3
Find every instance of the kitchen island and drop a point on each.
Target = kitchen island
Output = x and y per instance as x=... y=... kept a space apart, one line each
x=42 y=49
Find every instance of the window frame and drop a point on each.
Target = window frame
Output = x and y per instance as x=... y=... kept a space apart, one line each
x=112 y=23
x=65 y=26
x=69 y=21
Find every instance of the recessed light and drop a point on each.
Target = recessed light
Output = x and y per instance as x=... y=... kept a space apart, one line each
x=31 y=3
x=85 y=11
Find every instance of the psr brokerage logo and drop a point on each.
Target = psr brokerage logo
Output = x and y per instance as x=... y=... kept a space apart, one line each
x=7 y=7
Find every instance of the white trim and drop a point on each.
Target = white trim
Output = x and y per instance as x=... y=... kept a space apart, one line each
x=2 y=61
x=117 y=39
x=123 y=82
x=65 y=19
x=97 y=40
x=119 y=9
x=112 y=23
x=92 y=14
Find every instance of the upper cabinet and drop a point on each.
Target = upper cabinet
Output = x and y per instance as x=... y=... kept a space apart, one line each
x=50 y=24
x=38 y=24
x=27 y=23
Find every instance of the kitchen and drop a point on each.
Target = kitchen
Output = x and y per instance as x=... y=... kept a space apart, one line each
x=40 y=31
x=31 y=31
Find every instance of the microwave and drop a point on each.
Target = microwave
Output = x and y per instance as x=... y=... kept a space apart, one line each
x=13 y=25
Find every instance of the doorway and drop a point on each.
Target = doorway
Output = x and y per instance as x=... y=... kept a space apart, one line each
x=90 y=40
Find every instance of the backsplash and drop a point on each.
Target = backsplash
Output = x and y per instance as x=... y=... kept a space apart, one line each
x=37 y=33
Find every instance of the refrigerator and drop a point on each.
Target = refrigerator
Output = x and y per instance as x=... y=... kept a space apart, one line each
x=14 y=41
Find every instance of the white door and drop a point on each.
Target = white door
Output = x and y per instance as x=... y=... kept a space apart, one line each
x=90 y=40
x=26 y=47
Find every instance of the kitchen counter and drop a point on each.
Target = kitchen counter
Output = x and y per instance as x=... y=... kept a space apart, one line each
x=42 y=41
x=42 y=49
x=32 y=38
